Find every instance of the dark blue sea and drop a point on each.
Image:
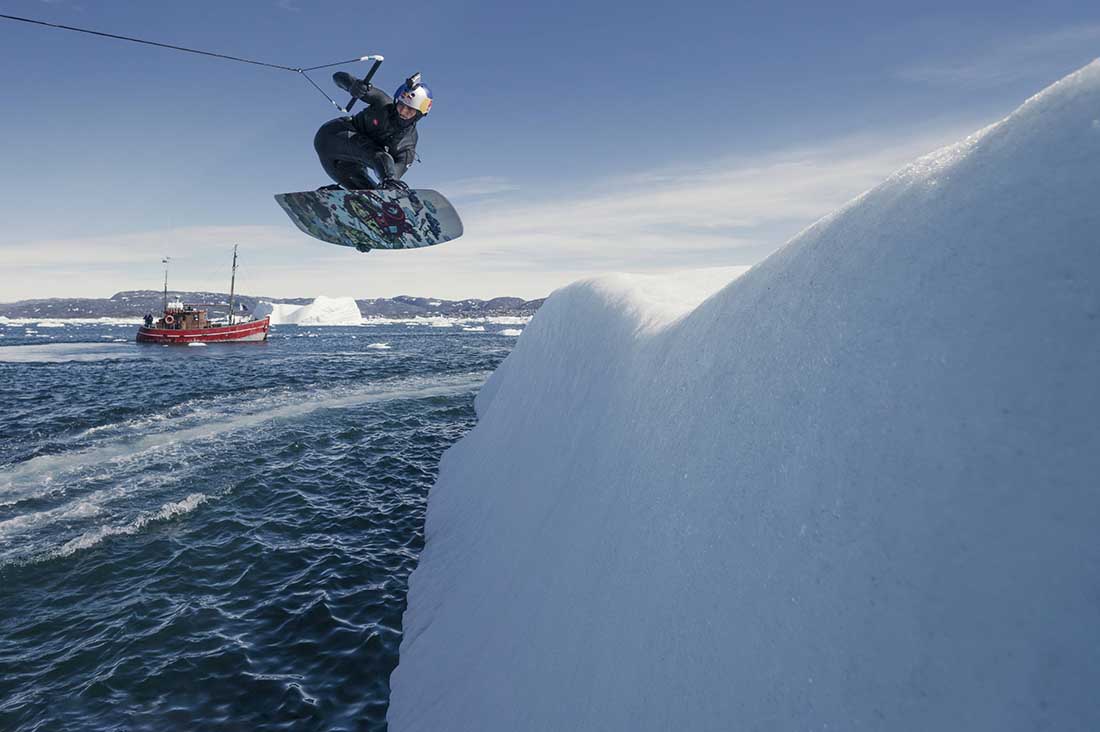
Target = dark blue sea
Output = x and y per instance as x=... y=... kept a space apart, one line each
x=218 y=537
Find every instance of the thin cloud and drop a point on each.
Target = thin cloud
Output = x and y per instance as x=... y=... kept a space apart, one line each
x=729 y=213
x=1011 y=59
x=728 y=205
x=477 y=187
x=200 y=242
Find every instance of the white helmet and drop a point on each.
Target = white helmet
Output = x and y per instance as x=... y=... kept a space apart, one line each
x=414 y=94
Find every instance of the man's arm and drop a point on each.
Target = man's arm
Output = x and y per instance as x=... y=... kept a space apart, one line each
x=405 y=152
x=361 y=91
x=393 y=167
x=402 y=159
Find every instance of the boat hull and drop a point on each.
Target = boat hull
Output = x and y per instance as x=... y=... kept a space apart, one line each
x=253 y=330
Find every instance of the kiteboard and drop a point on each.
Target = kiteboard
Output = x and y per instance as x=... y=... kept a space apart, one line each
x=374 y=219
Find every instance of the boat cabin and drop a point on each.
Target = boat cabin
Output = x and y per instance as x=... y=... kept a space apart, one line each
x=178 y=316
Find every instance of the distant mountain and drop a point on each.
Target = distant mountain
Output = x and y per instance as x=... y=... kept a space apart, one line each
x=136 y=303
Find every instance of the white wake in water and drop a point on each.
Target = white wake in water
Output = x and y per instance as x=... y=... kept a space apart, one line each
x=66 y=352
x=166 y=512
x=153 y=459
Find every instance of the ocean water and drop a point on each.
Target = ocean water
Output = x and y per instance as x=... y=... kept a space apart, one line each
x=217 y=537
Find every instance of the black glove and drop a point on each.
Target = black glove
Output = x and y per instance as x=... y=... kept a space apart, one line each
x=393 y=184
x=351 y=85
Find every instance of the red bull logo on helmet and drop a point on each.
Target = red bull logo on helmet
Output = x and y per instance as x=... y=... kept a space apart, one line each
x=418 y=101
x=418 y=97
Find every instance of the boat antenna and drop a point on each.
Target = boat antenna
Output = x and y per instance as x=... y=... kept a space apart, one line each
x=165 y=262
x=232 y=284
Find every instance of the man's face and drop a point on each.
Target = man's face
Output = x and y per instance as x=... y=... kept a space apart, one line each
x=405 y=111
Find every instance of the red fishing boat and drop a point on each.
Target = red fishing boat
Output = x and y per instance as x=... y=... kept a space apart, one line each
x=183 y=324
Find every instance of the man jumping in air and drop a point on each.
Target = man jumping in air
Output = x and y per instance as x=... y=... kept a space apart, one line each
x=380 y=138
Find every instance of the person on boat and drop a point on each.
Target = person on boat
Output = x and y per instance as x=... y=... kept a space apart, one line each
x=148 y=320
x=381 y=138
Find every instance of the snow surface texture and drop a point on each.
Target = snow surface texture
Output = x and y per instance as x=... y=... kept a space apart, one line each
x=855 y=489
x=322 y=311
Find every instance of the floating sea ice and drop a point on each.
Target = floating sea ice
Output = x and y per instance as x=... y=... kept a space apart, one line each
x=380 y=346
x=62 y=352
x=475 y=329
x=511 y=332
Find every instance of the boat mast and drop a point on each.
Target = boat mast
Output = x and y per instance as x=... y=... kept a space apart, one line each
x=165 y=263
x=232 y=284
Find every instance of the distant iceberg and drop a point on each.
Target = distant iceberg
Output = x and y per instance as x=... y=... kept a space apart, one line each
x=61 y=322
x=322 y=311
x=446 y=322
x=854 y=489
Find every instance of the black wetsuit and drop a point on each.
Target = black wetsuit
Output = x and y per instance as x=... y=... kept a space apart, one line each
x=375 y=138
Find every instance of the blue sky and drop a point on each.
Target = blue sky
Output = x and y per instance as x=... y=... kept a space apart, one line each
x=575 y=138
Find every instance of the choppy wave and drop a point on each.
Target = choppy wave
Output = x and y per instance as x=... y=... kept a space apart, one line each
x=217 y=538
x=92 y=537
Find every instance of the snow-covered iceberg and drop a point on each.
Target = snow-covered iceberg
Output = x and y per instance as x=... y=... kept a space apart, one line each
x=855 y=489
x=322 y=311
